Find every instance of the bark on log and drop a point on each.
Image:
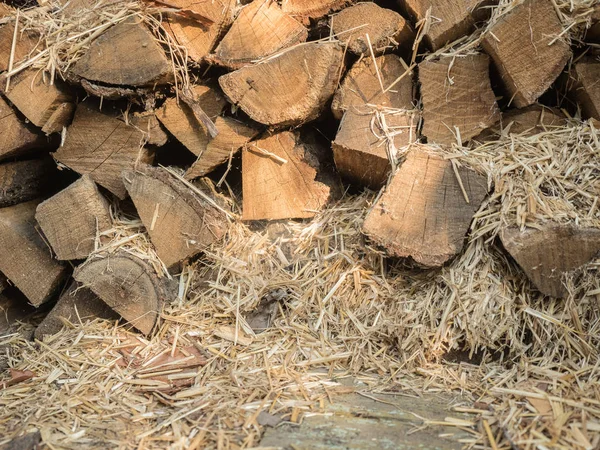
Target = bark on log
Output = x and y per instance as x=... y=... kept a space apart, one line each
x=424 y=213
x=525 y=50
x=76 y=305
x=21 y=181
x=289 y=89
x=72 y=219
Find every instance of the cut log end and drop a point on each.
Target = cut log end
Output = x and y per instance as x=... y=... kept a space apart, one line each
x=366 y=139
x=423 y=213
x=585 y=76
x=376 y=29
x=458 y=101
x=260 y=29
x=549 y=254
x=26 y=259
x=180 y=222
x=73 y=218
x=361 y=85
x=289 y=89
x=283 y=179
x=525 y=50
x=128 y=285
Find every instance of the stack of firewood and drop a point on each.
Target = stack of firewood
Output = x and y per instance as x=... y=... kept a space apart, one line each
x=157 y=109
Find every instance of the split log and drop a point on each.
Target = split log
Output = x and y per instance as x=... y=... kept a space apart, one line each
x=126 y=54
x=457 y=94
x=450 y=19
x=149 y=125
x=383 y=28
x=260 y=29
x=26 y=259
x=200 y=38
x=312 y=9
x=528 y=121
x=361 y=85
x=46 y=105
x=366 y=138
x=129 y=285
x=3 y=283
x=283 y=178
x=585 y=78
x=21 y=181
x=426 y=209
x=100 y=144
x=525 y=50
x=233 y=135
x=181 y=223
x=17 y=137
x=179 y=119
x=72 y=219
x=25 y=46
x=76 y=305
x=289 y=89
x=548 y=254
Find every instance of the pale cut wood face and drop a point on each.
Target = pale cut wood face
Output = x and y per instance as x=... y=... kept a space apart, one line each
x=289 y=89
x=26 y=259
x=457 y=94
x=524 y=50
x=260 y=29
x=280 y=179
x=546 y=255
x=128 y=285
x=424 y=213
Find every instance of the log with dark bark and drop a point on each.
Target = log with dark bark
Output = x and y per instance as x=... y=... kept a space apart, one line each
x=73 y=219
x=426 y=209
x=76 y=305
x=129 y=285
x=25 y=257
